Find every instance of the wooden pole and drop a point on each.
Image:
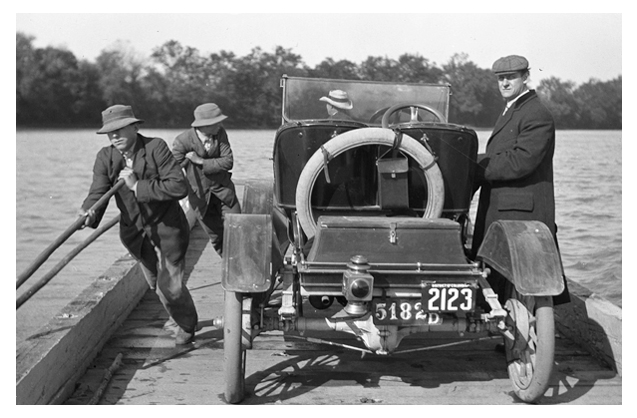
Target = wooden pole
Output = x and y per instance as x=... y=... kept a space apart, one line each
x=108 y=375
x=40 y=259
x=67 y=259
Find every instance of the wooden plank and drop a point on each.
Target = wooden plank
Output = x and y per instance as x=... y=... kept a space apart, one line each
x=45 y=372
x=326 y=378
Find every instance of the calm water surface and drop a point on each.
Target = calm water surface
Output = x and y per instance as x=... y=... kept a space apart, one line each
x=54 y=169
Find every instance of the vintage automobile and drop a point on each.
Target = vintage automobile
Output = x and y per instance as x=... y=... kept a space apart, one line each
x=371 y=210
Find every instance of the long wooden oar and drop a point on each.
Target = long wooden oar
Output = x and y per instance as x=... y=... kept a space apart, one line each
x=40 y=259
x=59 y=266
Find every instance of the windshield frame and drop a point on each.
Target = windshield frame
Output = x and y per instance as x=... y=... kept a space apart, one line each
x=301 y=98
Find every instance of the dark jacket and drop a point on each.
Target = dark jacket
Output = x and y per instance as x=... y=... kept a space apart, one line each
x=516 y=172
x=214 y=177
x=155 y=211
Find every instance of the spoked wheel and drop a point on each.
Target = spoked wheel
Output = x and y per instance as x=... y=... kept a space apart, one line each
x=531 y=354
x=234 y=352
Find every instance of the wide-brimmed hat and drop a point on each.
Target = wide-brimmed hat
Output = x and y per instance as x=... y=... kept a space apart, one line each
x=116 y=117
x=207 y=114
x=339 y=99
x=510 y=64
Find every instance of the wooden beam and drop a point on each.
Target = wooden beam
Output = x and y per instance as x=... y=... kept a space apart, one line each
x=49 y=363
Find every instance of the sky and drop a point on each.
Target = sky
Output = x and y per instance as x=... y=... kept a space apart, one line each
x=571 y=47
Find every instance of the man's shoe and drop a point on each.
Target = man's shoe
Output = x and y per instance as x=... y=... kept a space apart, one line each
x=184 y=337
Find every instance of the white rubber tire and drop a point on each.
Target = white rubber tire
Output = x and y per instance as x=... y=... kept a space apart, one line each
x=361 y=137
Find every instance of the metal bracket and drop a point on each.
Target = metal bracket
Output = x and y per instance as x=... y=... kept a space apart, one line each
x=287 y=309
x=326 y=159
x=392 y=233
x=491 y=298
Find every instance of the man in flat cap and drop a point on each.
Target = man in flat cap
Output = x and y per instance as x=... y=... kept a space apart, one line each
x=152 y=225
x=204 y=152
x=515 y=174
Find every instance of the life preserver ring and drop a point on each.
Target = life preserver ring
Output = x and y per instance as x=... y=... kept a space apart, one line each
x=357 y=138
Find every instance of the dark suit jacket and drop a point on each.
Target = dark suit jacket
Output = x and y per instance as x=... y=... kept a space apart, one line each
x=155 y=211
x=214 y=177
x=516 y=172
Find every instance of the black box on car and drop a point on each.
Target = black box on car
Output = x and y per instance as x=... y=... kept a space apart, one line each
x=393 y=185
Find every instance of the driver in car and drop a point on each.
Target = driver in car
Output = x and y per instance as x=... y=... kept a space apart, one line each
x=338 y=104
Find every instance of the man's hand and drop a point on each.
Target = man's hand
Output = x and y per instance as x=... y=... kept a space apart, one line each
x=192 y=156
x=129 y=177
x=90 y=217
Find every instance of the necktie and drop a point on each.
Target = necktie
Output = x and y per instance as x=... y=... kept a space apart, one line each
x=207 y=144
x=129 y=160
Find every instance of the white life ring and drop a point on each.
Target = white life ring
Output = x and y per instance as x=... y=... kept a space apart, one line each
x=356 y=138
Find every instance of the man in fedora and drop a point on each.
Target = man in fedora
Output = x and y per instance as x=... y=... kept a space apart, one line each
x=153 y=226
x=338 y=104
x=515 y=173
x=205 y=154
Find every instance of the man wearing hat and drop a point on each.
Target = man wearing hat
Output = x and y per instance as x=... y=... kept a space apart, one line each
x=204 y=153
x=153 y=226
x=338 y=104
x=515 y=173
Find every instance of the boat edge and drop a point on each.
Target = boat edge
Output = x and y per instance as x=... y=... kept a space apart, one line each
x=594 y=323
x=50 y=362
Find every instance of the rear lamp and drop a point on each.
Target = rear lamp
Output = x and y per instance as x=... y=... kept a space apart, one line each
x=360 y=288
x=358 y=284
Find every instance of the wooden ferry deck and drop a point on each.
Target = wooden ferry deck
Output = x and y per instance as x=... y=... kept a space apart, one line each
x=282 y=370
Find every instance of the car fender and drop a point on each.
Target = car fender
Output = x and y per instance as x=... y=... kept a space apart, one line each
x=525 y=253
x=247 y=253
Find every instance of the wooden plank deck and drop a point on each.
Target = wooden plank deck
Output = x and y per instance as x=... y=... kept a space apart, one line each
x=281 y=370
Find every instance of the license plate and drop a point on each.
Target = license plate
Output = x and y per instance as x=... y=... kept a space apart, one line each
x=436 y=298
x=449 y=297
x=393 y=311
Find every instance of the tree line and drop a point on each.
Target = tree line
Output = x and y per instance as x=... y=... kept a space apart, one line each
x=56 y=89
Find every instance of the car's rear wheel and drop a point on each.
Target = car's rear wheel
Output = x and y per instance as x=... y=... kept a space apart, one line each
x=530 y=355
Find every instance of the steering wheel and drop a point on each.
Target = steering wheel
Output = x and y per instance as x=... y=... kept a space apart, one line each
x=414 y=113
x=380 y=112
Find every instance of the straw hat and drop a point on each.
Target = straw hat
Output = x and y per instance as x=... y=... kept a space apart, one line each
x=207 y=114
x=116 y=117
x=339 y=99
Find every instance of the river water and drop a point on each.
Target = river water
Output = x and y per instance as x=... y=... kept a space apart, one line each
x=54 y=169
